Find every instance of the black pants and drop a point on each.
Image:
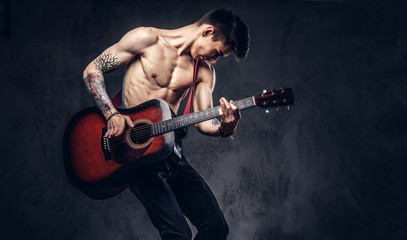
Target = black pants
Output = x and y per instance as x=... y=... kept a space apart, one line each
x=168 y=195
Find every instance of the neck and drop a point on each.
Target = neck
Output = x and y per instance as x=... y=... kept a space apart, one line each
x=183 y=38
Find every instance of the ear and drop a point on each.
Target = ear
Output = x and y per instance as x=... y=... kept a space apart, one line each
x=208 y=31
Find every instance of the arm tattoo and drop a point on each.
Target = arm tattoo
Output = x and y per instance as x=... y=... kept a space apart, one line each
x=96 y=87
x=106 y=62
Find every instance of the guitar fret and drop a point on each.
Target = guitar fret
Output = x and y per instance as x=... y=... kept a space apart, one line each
x=160 y=128
x=156 y=132
x=196 y=117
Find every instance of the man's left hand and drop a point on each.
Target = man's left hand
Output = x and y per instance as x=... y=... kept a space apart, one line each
x=230 y=116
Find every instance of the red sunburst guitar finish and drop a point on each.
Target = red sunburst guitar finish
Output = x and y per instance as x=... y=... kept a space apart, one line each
x=98 y=166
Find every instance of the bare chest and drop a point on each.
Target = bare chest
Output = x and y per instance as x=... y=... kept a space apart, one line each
x=163 y=67
x=159 y=73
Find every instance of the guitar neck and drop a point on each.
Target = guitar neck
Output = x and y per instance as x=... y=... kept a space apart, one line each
x=196 y=117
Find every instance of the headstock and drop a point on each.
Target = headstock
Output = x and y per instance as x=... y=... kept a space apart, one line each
x=275 y=98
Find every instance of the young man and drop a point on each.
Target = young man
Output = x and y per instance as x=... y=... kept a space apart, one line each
x=160 y=65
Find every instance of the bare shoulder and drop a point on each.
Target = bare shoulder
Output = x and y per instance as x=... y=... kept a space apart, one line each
x=138 y=39
x=206 y=74
x=142 y=34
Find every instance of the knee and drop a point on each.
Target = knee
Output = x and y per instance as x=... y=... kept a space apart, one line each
x=216 y=230
x=177 y=233
x=222 y=231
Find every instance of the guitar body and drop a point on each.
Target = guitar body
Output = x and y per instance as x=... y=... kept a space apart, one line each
x=97 y=165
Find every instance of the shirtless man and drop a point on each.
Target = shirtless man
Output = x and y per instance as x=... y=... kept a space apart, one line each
x=159 y=65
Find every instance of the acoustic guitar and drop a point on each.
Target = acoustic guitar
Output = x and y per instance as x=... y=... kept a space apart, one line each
x=97 y=165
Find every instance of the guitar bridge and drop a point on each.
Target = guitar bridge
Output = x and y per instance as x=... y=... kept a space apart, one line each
x=105 y=142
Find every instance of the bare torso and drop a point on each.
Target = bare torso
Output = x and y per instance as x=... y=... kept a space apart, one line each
x=158 y=73
x=159 y=65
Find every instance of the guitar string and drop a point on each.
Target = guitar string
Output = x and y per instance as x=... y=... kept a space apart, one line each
x=145 y=131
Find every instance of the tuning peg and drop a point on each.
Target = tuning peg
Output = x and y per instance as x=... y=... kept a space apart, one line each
x=277 y=109
x=264 y=92
x=288 y=107
x=267 y=110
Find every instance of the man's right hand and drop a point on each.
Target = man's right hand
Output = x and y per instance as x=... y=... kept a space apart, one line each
x=117 y=124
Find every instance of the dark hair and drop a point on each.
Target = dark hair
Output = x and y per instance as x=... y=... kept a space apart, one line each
x=230 y=29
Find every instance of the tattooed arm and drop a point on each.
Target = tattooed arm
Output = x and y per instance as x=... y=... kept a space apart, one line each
x=95 y=83
x=131 y=45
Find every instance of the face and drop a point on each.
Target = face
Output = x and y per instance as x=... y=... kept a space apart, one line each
x=205 y=48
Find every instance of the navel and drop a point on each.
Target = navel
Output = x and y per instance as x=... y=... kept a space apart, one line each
x=154 y=75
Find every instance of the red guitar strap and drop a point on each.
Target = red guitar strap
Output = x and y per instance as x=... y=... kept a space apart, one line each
x=117 y=99
x=190 y=103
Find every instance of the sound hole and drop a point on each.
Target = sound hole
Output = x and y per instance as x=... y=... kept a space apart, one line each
x=140 y=133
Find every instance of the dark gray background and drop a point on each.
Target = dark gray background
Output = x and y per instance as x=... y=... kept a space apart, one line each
x=331 y=168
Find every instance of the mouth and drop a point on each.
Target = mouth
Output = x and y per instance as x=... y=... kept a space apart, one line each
x=208 y=59
x=203 y=58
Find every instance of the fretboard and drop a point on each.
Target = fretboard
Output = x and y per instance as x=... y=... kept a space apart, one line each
x=196 y=117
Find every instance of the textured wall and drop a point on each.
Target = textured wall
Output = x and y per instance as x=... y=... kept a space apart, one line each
x=332 y=168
